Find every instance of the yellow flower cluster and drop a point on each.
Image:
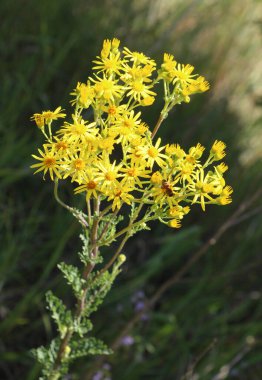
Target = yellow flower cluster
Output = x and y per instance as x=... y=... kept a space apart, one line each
x=112 y=156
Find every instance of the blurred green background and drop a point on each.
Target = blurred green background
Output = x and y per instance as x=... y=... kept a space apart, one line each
x=208 y=325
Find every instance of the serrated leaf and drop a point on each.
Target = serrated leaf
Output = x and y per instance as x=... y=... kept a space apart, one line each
x=46 y=357
x=73 y=277
x=82 y=327
x=99 y=286
x=60 y=314
x=80 y=216
x=88 y=346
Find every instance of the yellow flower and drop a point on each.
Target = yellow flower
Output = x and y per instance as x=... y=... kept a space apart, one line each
x=84 y=94
x=107 y=88
x=126 y=126
x=156 y=178
x=151 y=153
x=49 y=162
x=108 y=46
x=108 y=174
x=178 y=211
x=46 y=117
x=196 y=151
x=174 y=223
x=175 y=150
x=222 y=168
x=165 y=192
x=147 y=101
x=167 y=68
x=79 y=132
x=39 y=120
x=138 y=90
x=111 y=64
x=120 y=195
x=106 y=144
x=183 y=74
x=225 y=197
x=89 y=185
x=74 y=166
x=201 y=188
x=138 y=58
x=217 y=150
x=132 y=174
x=53 y=115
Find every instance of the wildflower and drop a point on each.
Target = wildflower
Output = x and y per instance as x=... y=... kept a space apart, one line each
x=111 y=64
x=167 y=68
x=109 y=45
x=147 y=101
x=49 y=163
x=196 y=151
x=151 y=154
x=108 y=174
x=222 y=168
x=80 y=131
x=217 y=151
x=132 y=174
x=89 y=184
x=178 y=211
x=175 y=150
x=138 y=90
x=84 y=95
x=39 y=120
x=74 y=166
x=201 y=189
x=156 y=178
x=127 y=340
x=183 y=74
x=120 y=195
x=138 y=58
x=174 y=223
x=49 y=116
x=107 y=88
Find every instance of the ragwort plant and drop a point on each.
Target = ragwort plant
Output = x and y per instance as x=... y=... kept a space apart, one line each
x=113 y=160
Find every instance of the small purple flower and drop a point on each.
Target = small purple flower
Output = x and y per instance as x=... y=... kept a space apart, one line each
x=127 y=340
x=98 y=375
x=140 y=305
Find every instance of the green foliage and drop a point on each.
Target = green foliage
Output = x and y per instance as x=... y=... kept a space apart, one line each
x=107 y=228
x=73 y=277
x=88 y=346
x=84 y=253
x=47 y=356
x=99 y=286
x=82 y=326
x=60 y=314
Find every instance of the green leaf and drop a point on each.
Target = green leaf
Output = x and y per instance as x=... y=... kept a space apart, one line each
x=107 y=228
x=88 y=346
x=83 y=326
x=99 y=286
x=73 y=277
x=80 y=216
x=60 y=314
x=46 y=357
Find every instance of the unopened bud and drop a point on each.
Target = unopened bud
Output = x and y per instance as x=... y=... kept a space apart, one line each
x=122 y=258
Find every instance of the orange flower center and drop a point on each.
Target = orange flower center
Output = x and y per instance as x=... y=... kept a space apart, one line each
x=91 y=185
x=49 y=162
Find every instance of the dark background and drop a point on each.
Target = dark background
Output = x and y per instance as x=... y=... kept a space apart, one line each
x=207 y=325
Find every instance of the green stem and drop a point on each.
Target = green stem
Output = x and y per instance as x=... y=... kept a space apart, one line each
x=57 y=197
x=55 y=375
